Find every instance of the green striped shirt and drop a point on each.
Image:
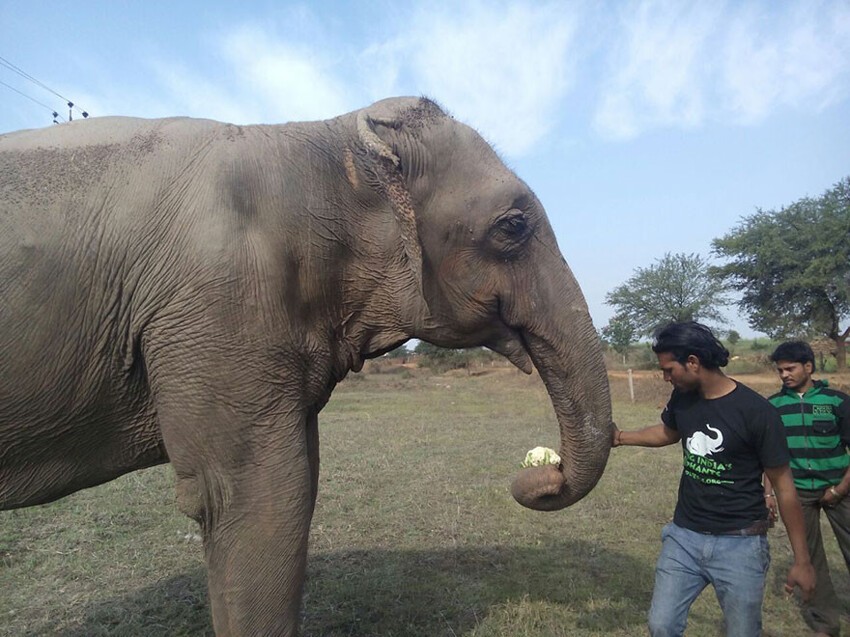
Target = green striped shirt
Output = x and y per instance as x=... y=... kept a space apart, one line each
x=817 y=427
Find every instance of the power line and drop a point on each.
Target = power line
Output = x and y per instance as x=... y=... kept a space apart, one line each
x=32 y=99
x=5 y=63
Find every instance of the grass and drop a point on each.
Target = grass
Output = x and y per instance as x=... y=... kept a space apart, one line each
x=415 y=532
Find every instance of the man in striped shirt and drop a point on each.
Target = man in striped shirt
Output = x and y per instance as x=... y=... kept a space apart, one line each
x=816 y=419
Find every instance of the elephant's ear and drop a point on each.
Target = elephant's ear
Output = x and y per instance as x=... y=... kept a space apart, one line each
x=387 y=169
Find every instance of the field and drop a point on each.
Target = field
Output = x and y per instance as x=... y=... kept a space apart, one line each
x=415 y=532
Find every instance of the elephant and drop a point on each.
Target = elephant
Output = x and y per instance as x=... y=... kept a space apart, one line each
x=705 y=444
x=189 y=291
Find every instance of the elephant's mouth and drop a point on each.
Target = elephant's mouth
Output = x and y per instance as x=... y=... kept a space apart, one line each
x=512 y=345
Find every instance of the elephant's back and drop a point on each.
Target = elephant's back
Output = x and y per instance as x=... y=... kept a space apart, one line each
x=72 y=156
x=77 y=165
x=100 y=131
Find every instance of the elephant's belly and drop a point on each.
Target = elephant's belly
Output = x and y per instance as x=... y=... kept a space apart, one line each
x=54 y=463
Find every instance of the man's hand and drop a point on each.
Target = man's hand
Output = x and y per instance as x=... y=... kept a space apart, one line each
x=615 y=435
x=802 y=575
x=770 y=503
x=832 y=496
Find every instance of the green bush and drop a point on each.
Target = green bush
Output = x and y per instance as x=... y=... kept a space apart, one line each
x=828 y=365
x=644 y=358
x=746 y=366
x=441 y=359
x=758 y=346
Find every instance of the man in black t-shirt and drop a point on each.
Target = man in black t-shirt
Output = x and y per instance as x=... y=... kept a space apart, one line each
x=730 y=436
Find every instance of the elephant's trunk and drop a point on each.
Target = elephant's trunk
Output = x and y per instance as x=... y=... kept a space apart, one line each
x=571 y=366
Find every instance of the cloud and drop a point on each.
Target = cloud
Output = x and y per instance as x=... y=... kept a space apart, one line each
x=294 y=82
x=682 y=65
x=513 y=69
x=799 y=59
x=253 y=75
x=188 y=93
x=502 y=68
x=654 y=74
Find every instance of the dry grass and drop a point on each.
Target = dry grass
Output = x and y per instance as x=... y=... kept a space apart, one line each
x=415 y=532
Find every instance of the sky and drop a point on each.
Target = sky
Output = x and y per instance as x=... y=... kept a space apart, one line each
x=644 y=127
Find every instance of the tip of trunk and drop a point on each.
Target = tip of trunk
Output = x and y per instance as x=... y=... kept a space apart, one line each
x=547 y=488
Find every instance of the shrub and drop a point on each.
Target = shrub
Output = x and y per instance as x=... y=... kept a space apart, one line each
x=758 y=345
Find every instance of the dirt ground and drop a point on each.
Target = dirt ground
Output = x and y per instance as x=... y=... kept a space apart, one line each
x=649 y=386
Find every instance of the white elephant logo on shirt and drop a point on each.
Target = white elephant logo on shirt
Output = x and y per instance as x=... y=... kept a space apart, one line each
x=701 y=444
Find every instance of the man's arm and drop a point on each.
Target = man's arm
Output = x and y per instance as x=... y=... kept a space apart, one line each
x=834 y=495
x=802 y=573
x=842 y=414
x=769 y=499
x=659 y=435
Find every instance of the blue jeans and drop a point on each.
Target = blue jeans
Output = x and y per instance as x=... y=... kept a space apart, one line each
x=735 y=565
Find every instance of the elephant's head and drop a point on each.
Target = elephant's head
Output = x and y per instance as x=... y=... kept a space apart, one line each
x=484 y=269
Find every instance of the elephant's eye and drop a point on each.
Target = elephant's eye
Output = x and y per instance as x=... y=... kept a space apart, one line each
x=514 y=226
x=511 y=229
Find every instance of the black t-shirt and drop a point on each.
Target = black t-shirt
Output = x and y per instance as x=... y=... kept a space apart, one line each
x=727 y=443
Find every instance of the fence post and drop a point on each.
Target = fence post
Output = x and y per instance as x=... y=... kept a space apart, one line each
x=631 y=385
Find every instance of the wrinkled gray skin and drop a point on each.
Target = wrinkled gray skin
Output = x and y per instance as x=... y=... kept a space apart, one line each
x=189 y=291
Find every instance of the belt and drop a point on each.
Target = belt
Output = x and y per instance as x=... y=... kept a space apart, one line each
x=759 y=527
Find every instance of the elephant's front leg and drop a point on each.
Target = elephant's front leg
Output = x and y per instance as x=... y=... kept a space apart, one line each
x=256 y=549
x=249 y=482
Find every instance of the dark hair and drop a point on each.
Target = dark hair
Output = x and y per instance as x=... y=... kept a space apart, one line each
x=691 y=338
x=794 y=351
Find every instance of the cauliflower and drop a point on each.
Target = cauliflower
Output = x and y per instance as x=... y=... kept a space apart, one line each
x=540 y=456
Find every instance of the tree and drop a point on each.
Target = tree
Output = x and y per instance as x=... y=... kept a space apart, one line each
x=733 y=337
x=619 y=334
x=678 y=287
x=399 y=352
x=443 y=358
x=424 y=348
x=792 y=267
